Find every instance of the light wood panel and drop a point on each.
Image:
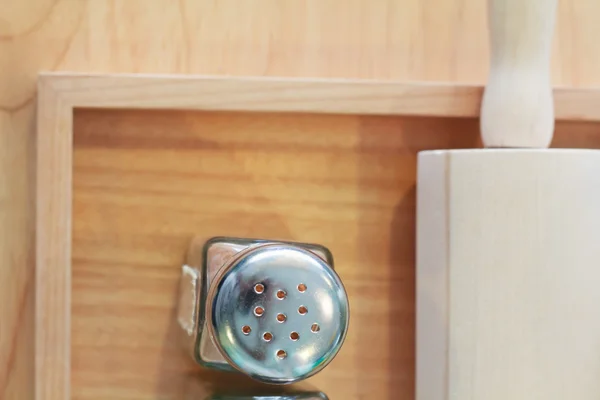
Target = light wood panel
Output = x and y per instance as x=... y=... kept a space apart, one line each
x=406 y=40
x=53 y=243
x=507 y=256
x=341 y=96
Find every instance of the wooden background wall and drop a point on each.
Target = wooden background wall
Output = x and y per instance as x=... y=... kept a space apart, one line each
x=441 y=40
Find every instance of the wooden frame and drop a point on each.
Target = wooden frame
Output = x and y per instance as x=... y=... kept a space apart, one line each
x=60 y=94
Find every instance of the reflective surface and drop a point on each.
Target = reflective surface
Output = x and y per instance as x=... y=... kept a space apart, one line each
x=289 y=396
x=279 y=313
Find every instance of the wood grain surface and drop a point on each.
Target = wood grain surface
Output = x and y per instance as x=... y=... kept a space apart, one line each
x=507 y=294
x=406 y=40
x=146 y=182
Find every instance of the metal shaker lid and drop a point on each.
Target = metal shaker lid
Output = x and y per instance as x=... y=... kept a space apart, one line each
x=278 y=313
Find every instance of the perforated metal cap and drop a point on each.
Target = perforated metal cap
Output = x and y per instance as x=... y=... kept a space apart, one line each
x=278 y=313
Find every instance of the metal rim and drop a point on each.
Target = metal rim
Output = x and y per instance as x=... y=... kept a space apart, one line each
x=212 y=297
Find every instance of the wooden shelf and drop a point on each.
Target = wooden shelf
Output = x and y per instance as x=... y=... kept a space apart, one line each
x=129 y=168
x=296 y=95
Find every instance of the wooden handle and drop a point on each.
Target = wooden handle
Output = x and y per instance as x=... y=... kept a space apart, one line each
x=517 y=108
